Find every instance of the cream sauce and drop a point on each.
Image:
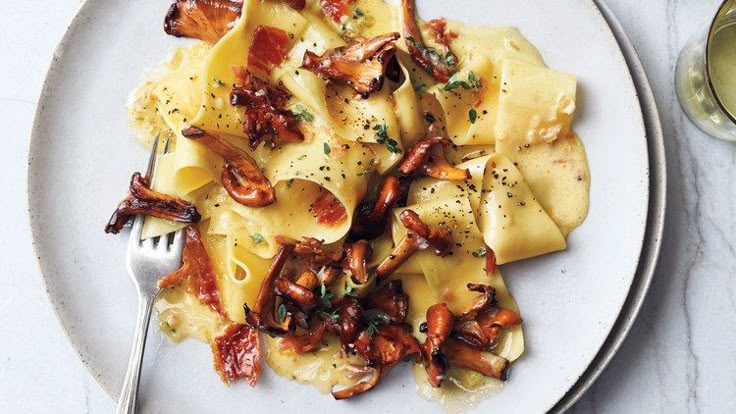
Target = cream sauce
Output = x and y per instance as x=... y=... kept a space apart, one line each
x=181 y=316
x=324 y=368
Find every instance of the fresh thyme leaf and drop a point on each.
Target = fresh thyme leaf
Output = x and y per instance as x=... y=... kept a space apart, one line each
x=432 y=54
x=474 y=81
x=372 y=328
x=349 y=290
x=218 y=82
x=281 y=312
x=480 y=252
x=326 y=148
x=383 y=138
x=289 y=183
x=472 y=115
x=257 y=238
x=334 y=316
x=302 y=114
x=359 y=12
x=420 y=89
x=326 y=296
x=450 y=59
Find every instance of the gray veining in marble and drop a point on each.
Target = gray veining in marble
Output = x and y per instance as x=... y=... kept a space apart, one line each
x=680 y=356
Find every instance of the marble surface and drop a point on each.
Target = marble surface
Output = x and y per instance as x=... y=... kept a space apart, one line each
x=678 y=358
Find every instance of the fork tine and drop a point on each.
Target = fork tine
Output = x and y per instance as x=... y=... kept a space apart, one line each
x=178 y=244
x=135 y=232
x=166 y=145
x=152 y=159
x=163 y=243
x=147 y=243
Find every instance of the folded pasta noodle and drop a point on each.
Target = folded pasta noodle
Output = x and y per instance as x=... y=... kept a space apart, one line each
x=303 y=175
x=513 y=223
x=239 y=273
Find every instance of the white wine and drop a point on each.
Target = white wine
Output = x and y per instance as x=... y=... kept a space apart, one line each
x=722 y=64
x=707 y=90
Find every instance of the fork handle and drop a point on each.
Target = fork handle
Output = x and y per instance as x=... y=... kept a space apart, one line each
x=129 y=393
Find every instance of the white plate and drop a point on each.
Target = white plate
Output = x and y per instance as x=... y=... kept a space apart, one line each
x=82 y=155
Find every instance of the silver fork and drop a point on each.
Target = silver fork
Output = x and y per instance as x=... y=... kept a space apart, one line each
x=146 y=261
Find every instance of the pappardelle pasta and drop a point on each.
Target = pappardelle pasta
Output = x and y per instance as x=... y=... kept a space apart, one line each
x=350 y=179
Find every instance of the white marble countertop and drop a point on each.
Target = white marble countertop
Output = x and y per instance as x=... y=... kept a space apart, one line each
x=679 y=356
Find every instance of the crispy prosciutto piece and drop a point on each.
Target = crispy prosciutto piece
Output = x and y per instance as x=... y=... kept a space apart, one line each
x=440 y=32
x=490 y=261
x=441 y=63
x=196 y=273
x=241 y=176
x=363 y=65
x=267 y=50
x=337 y=10
x=419 y=236
x=207 y=20
x=439 y=325
x=142 y=200
x=266 y=116
x=328 y=210
x=237 y=354
x=428 y=157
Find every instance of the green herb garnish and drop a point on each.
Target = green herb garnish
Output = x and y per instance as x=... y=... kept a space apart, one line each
x=257 y=238
x=326 y=148
x=472 y=115
x=448 y=58
x=372 y=328
x=281 y=312
x=301 y=113
x=218 y=82
x=326 y=296
x=349 y=290
x=480 y=252
x=473 y=82
x=383 y=138
x=333 y=316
